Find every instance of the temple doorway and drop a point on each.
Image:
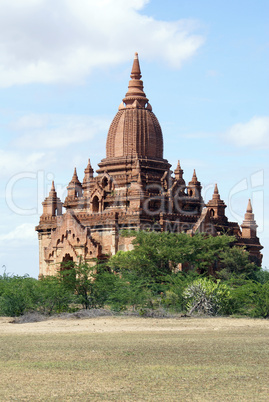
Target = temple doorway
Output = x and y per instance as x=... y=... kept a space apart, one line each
x=66 y=263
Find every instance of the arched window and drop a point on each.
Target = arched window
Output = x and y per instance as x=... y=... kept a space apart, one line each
x=95 y=204
x=212 y=212
x=104 y=182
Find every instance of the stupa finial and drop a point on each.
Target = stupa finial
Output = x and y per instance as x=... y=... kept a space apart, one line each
x=75 y=179
x=136 y=72
x=135 y=96
x=52 y=192
x=249 y=207
x=75 y=176
x=194 y=177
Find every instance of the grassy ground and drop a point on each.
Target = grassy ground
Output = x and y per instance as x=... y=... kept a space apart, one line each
x=135 y=359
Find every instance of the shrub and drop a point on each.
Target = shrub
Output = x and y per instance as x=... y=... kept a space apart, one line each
x=236 y=261
x=207 y=297
x=51 y=296
x=260 y=300
x=17 y=296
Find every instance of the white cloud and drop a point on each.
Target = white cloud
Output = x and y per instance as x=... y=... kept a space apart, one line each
x=46 y=142
x=64 y=41
x=24 y=232
x=253 y=133
x=14 y=161
x=54 y=131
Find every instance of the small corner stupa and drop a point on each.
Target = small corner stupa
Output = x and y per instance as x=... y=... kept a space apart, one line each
x=134 y=188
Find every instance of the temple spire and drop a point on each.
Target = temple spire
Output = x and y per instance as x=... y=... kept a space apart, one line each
x=135 y=96
x=194 y=181
x=217 y=206
x=52 y=190
x=249 y=207
x=136 y=72
x=249 y=216
x=89 y=170
x=216 y=195
x=74 y=188
x=194 y=187
x=135 y=130
x=179 y=173
x=194 y=177
x=88 y=176
x=249 y=224
x=75 y=176
x=52 y=205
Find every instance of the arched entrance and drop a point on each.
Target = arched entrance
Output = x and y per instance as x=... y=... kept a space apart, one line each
x=95 y=204
x=67 y=262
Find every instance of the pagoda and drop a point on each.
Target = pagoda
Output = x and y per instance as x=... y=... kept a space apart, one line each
x=134 y=188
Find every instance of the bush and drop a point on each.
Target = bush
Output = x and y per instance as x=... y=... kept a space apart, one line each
x=51 y=296
x=207 y=297
x=173 y=295
x=236 y=261
x=22 y=294
x=260 y=300
x=127 y=293
x=17 y=295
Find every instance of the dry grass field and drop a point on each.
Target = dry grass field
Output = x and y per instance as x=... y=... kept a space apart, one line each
x=135 y=359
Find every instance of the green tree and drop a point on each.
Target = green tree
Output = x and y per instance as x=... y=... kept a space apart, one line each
x=262 y=276
x=249 y=298
x=90 y=284
x=260 y=300
x=51 y=296
x=156 y=254
x=236 y=261
x=175 y=284
x=17 y=295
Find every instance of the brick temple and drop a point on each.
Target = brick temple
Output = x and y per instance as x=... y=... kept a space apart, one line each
x=134 y=188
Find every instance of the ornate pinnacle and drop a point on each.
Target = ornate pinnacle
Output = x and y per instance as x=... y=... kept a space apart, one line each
x=135 y=88
x=52 y=192
x=136 y=72
x=249 y=207
x=74 y=179
x=216 y=195
x=178 y=171
x=75 y=176
x=88 y=174
x=194 y=177
x=89 y=168
x=194 y=181
x=249 y=222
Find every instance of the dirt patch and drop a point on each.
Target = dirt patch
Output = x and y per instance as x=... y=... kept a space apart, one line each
x=115 y=324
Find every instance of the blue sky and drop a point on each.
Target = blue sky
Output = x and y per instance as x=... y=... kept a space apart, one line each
x=64 y=69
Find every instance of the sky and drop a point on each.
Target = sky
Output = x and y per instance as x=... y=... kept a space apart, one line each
x=65 y=67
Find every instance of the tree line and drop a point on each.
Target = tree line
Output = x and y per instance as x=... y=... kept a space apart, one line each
x=217 y=279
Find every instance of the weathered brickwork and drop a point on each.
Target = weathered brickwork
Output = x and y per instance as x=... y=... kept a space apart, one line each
x=134 y=188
